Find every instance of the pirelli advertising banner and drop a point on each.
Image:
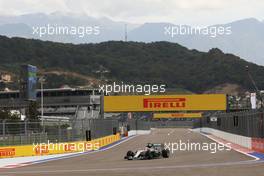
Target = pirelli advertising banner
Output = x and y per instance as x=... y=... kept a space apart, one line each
x=203 y=102
x=176 y=115
x=39 y=149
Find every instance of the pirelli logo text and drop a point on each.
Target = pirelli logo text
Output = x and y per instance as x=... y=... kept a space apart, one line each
x=7 y=152
x=164 y=103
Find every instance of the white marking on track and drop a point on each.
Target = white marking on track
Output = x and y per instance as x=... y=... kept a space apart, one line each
x=139 y=168
x=172 y=131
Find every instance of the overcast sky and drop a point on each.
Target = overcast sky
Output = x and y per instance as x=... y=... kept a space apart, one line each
x=195 y=12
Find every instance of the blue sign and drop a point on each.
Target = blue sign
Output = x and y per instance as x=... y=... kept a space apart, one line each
x=32 y=82
x=28 y=82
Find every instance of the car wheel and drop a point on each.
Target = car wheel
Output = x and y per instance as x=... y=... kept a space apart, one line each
x=130 y=155
x=165 y=153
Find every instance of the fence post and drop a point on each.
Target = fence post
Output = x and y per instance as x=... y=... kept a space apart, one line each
x=88 y=135
x=136 y=124
x=261 y=124
x=43 y=127
x=82 y=128
x=25 y=127
x=3 y=123
x=59 y=130
x=248 y=125
x=4 y=131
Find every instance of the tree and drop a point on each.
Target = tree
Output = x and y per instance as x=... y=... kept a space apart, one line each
x=32 y=111
x=8 y=116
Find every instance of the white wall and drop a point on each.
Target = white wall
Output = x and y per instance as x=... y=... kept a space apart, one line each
x=234 y=138
x=138 y=132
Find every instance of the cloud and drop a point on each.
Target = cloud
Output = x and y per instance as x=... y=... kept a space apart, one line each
x=17 y=7
x=140 y=11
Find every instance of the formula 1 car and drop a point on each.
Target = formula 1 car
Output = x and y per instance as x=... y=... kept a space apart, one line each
x=152 y=151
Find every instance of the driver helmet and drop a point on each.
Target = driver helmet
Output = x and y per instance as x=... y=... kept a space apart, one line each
x=149 y=145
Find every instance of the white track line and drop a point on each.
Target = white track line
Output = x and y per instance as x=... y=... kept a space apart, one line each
x=172 y=131
x=138 y=168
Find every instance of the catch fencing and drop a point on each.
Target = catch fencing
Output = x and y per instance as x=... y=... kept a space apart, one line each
x=246 y=123
x=146 y=125
x=25 y=132
x=28 y=132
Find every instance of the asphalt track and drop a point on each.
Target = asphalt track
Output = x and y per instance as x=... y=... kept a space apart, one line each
x=110 y=162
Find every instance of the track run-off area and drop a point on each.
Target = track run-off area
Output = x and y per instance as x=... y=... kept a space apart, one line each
x=111 y=161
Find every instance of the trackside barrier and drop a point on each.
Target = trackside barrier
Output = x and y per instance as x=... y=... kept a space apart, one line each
x=54 y=130
x=138 y=132
x=245 y=123
x=256 y=144
x=40 y=149
x=245 y=128
x=234 y=138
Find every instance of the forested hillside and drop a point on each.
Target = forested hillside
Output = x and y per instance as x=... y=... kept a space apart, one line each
x=130 y=62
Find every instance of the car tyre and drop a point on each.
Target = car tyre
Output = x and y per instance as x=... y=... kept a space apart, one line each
x=130 y=155
x=165 y=153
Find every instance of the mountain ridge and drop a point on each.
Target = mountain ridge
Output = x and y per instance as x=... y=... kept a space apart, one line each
x=246 y=40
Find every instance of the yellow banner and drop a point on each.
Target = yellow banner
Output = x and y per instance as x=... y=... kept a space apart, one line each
x=56 y=148
x=177 y=115
x=205 y=102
